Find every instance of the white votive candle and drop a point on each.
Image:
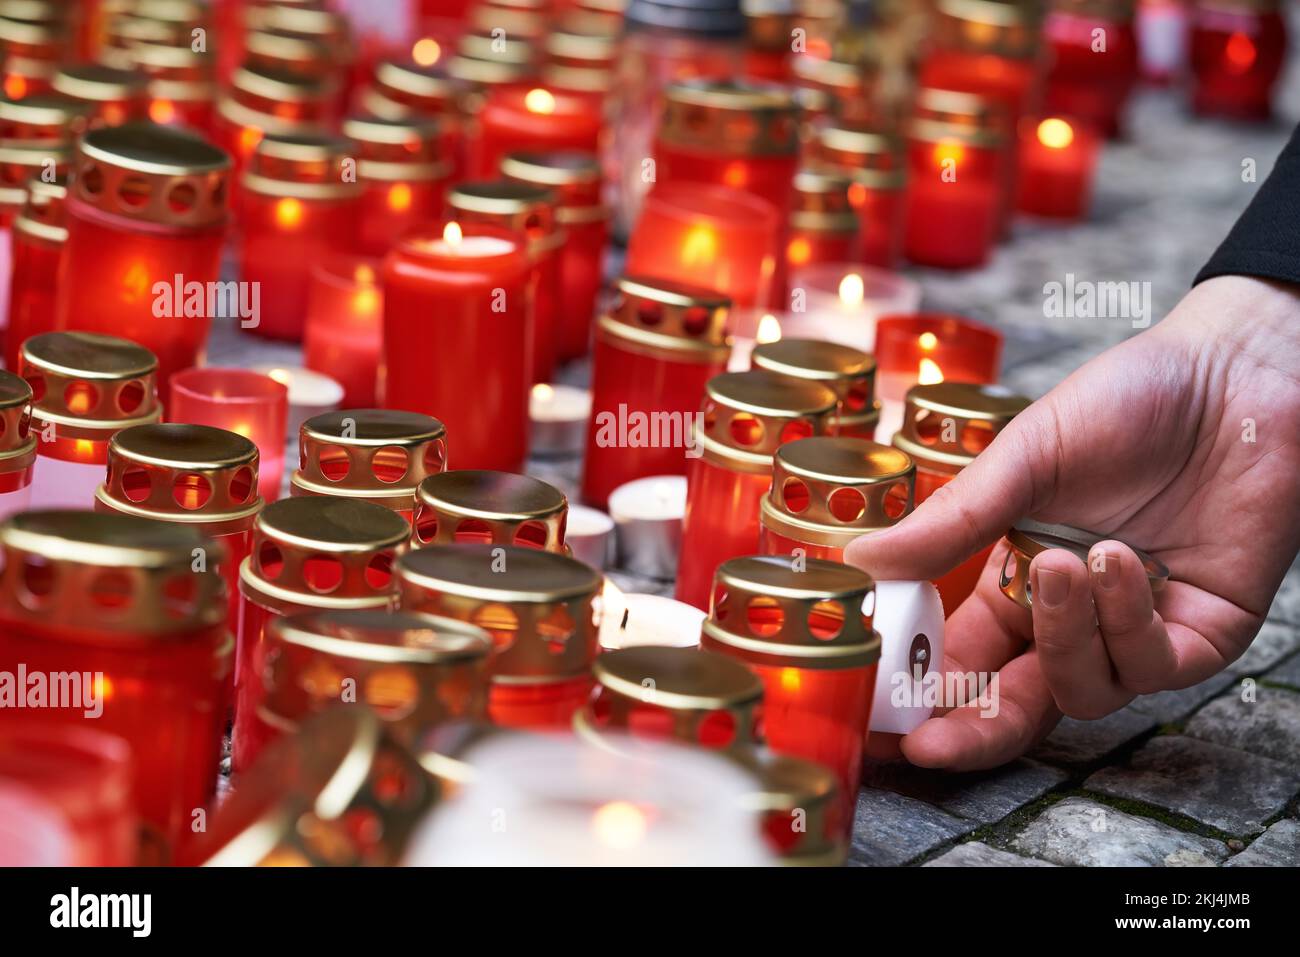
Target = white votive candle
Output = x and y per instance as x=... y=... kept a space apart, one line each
x=648 y=515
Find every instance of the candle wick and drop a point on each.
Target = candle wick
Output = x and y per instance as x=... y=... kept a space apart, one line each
x=623 y=624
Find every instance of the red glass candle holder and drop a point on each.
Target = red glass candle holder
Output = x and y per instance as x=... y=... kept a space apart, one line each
x=581 y=59
x=575 y=180
x=530 y=212
x=86 y=388
x=191 y=475
x=807 y=633
x=86 y=775
x=1238 y=48
x=48 y=120
x=403 y=176
x=311 y=553
x=824 y=224
x=455 y=338
x=826 y=491
x=849 y=373
x=707 y=236
x=656 y=350
x=415 y=671
x=403 y=88
x=1089 y=81
x=536 y=605
x=944 y=427
x=484 y=62
x=264 y=102
x=329 y=31
x=489 y=508
x=848 y=88
x=30 y=53
x=876 y=164
x=535 y=120
x=370 y=455
x=343 y=334
x=246 y=403
x=747 y=417
x=299 y=206
x=146 y=217
x=17 y=445
x=180 y=88
x=113 y=96
x=146 y=634
x=1058 y=158
x=38 y=240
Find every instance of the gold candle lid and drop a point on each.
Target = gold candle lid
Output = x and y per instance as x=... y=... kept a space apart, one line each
x=33 y=32
x=829 y=490
x=339 y=792
x=796 y=799
x=850 y=372
x=17 y=441
x=111 y=577
x=275 y=92
x=192 y=474
x=414 y=671
x=710 y=698
x=946 y=424
x=528 y=24
x=964 y=118
x=536 y=605
x=573 y=176
x=749 y=415
x=1010 y=29
x=731 y=117
x=23 y=164
x=89 y=385
x=298 y=56
x=583 y=49
x=302 y=166
x=488 y=47
x=41 y=119
x=425 y=89
x=873 y=159
x=323 y=552
x=372 y=455
x=1123 y=10
x=175 y=72
x=666 y=319
x=499 y=508
x=577 y=79
x=329 y=29
x=42 y=216
x=153 y=174
x=520 y=207
x=808 y=614
x=822 y=202
x=397 y=149
x=97 y=83
x=1028 y=539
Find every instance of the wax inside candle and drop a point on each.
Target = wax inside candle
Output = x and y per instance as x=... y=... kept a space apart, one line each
x=659 y=497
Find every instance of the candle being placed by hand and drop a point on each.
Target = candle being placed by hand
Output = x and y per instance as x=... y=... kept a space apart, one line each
x=648 y=514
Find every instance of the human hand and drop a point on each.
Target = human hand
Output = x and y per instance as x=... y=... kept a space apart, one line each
x=1185 y=441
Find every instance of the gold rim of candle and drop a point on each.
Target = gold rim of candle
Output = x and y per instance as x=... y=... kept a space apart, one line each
x=372 y=431
x=495 y=498
x=411 y=79
x=682 y=679
x=17 y=440
x=704 y=113
x=679 y=332
x=98 y=83
x=43 y=110
x=42 y=214
x=964 y=403
x=788 y=784
x=1028 y=539
x=63 y=359
x=274 y=85
x=774 y=401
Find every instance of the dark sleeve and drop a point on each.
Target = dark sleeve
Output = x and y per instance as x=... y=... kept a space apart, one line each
x=1266 y=240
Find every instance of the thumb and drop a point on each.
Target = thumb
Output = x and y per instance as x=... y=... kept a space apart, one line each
x=965 y=516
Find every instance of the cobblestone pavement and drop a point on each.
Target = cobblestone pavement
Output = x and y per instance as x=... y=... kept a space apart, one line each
x=1206 y=776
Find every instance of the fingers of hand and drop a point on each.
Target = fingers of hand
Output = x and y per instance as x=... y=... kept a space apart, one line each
x=1136 y=639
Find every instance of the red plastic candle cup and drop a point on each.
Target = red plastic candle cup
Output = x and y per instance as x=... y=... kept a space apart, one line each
x=536 y=120
x=807 y=633
x=455 y=338
x=403 y=173
x=409 y=88
x=959 y=172
x=945 y=426
x=343 y=334
x=146 y=217
x=191 y=475
x=264 y=102
x=925 y=349
x=581 y=59
x=536 y=605
x=86 y=387
x=331 y=53
x=489 y=508
x=1058 y=158
x=113 y=96
x=824 y=224
x=299 y=206
x=370 y=455
x=85 y=775
x=180 y=90
x=877 y=166
x=848 y=372
x=656 y=350
x=1238 y=49
x=310 y=553
x=32 y=51
x=17 y=445
x=120 y=602
x=747 y=416
x=708 y=236
x=828 y=490
x=575 y=179
x=38 y=240
x=529 y=212
x=1089 y=81
x=246 y=403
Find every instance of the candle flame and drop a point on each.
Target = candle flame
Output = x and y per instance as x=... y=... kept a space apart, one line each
x=282 y=376
x=929 y=372
x=543 y=392
x=700 y=247
x=365 y=274
x=852 y=290
x=799 y=251
x=539 y=101
x=366 y=301
x=452 y=233
x=620 y=825
x=114 y=114
x=769 y=329
x=288 y=213
x=249 y=137
x=399 y=197
x=1240 y=53
x=135 y=282
x=927 y=341
x=735 y=175
x=162 y=112
x=85 y=447
x=426 y=51
x=947 y=153
x=1055 y=133
x=103 y=687
x=790 y=680
x=15 y=86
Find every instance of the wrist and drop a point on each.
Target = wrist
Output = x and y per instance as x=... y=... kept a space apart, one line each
x=1242 y=320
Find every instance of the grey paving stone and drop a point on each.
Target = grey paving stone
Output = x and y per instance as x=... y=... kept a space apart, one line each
x=891 y=829
x=1286 y=603
x=1279 y=846
x=1287 y=673
x=1221 y=787
x=978 y=854
x=1083 y=833
x=1169 y=706
x=1269 y=725
x=1276 y=640
x=985 y=796
x=1085 y=742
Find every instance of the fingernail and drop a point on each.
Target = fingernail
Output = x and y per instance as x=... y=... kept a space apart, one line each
x=1105 y=567
x=1052 y=589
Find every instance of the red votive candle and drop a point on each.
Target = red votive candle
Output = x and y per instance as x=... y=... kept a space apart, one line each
x=180 y=88
x=17 y=445
x=489 y=508
x=86 y=387
x=574 y=179
x=455 y=338
x=1238 y=48
x=309 y=553
x=1094 y=61
x=246 y=403
x=1058 y=158
x=343 y=334
x=403 y=175
x=848 y=372
x=146 y=217
x=371 y=455
x=536 y=120
x=113 y=96
x=828 y=490
x=299 y=205
x=945 y=426
x=807 y=633
x=191 y=475
x=824 y=224
x=536 y=605
x=405 y=88
x=656 y=350
x=876 y=163
x=264 y=102
x=747 y=417
x=38 y=240
x=847 y=88
x=117 y=601
x=30 y=53
x=707 y=236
